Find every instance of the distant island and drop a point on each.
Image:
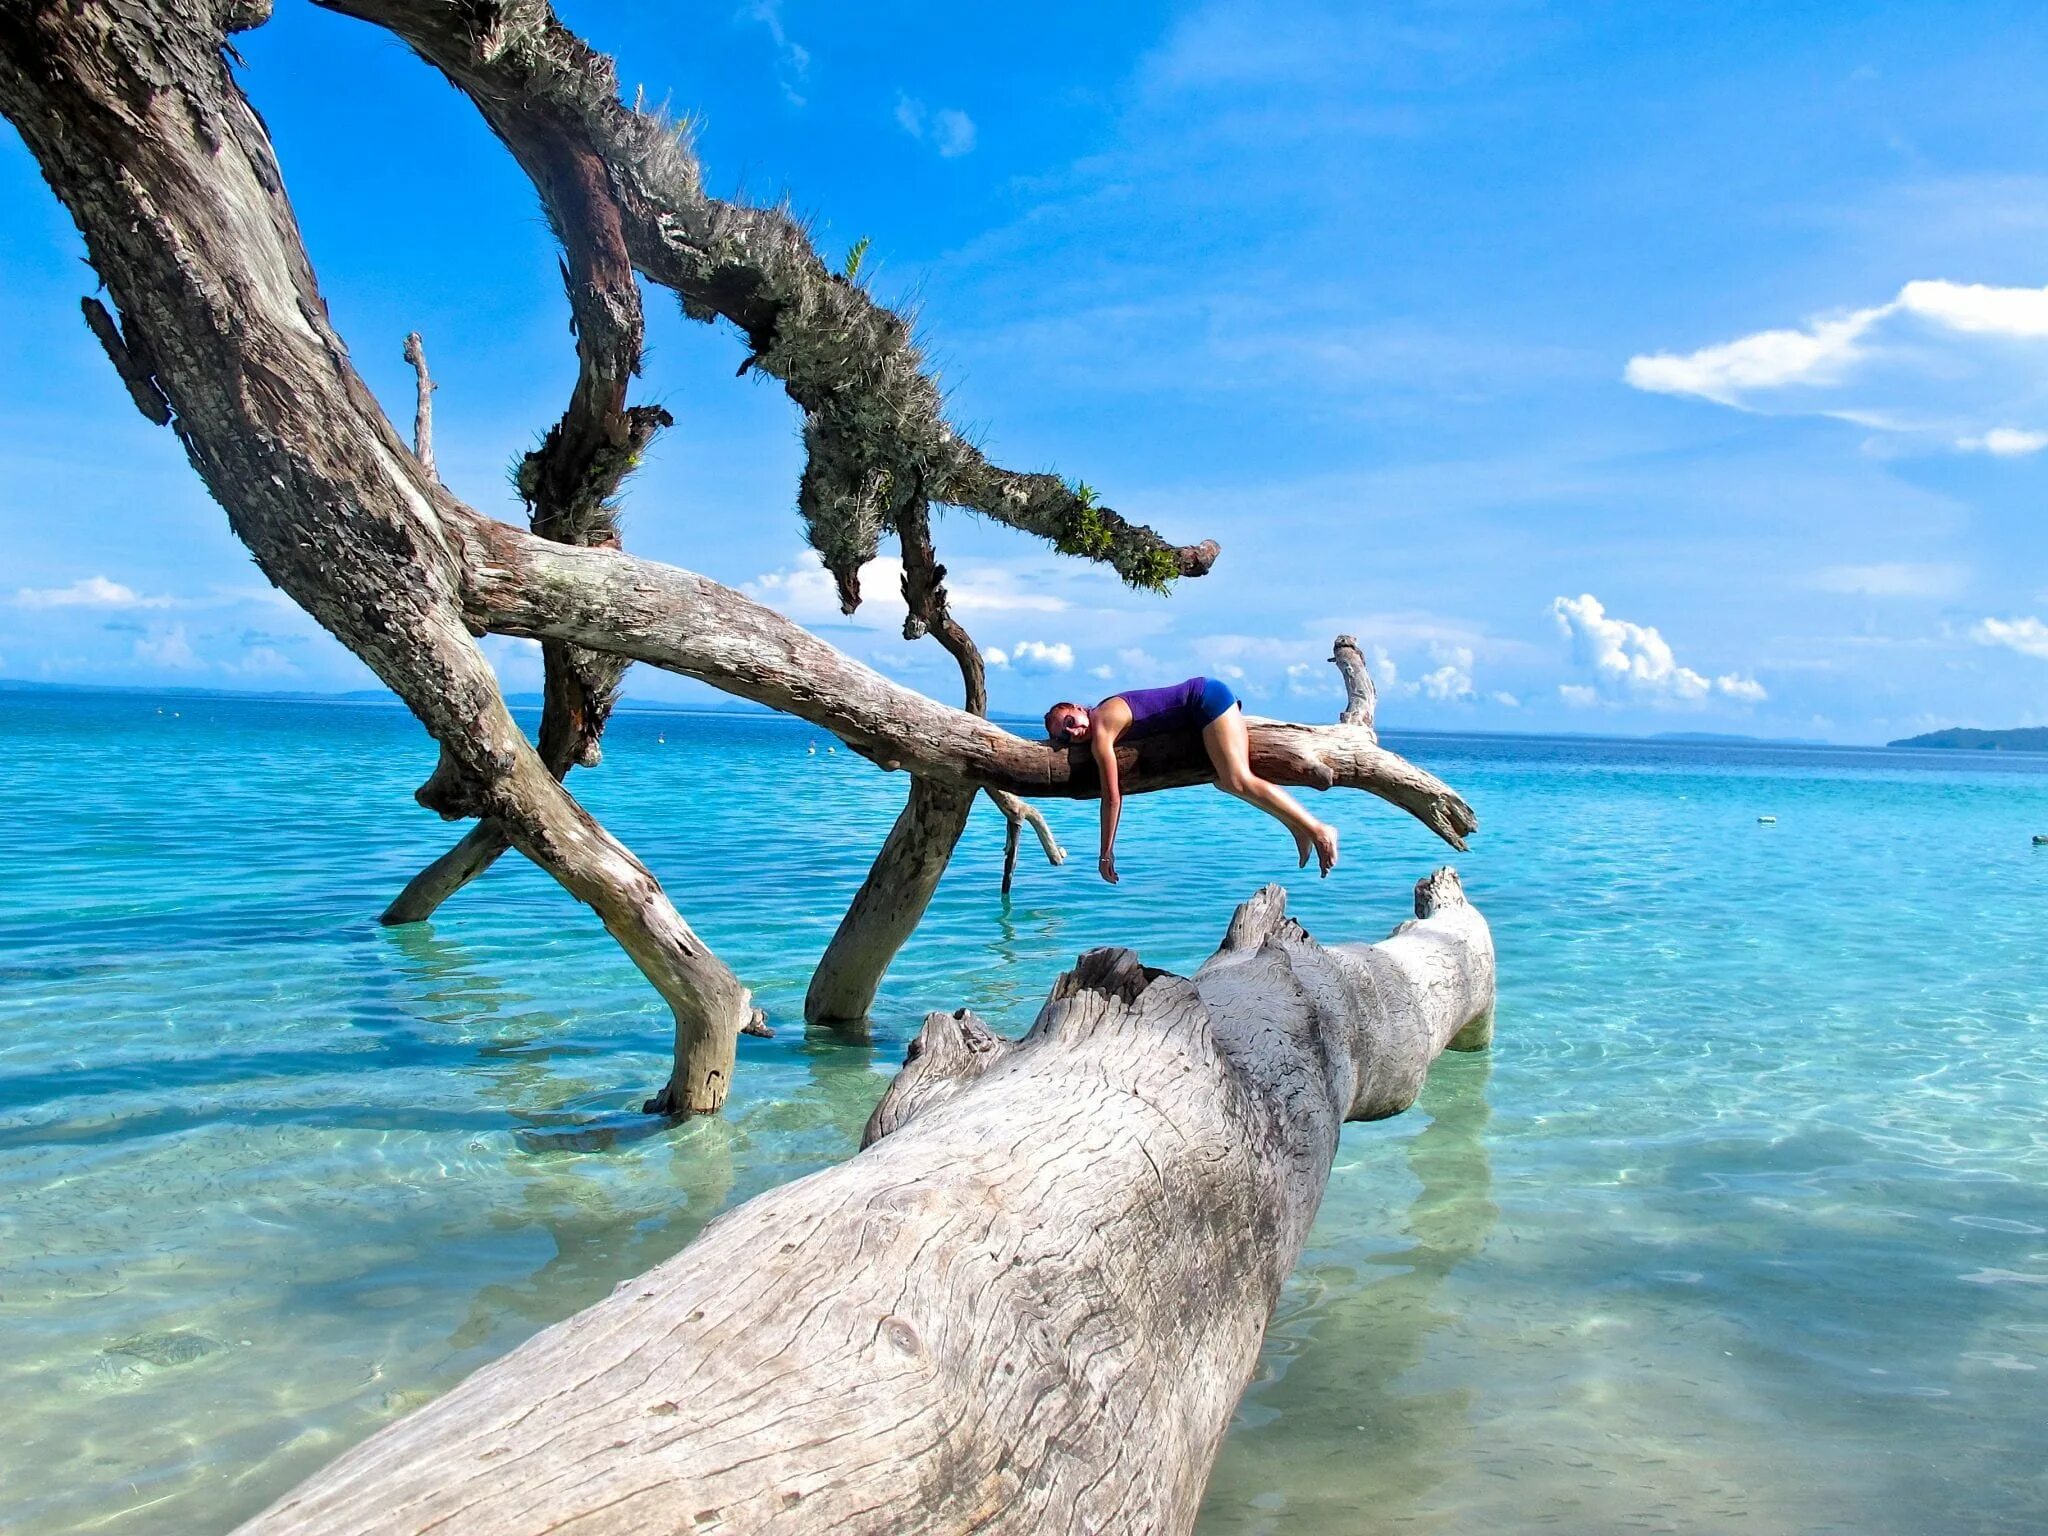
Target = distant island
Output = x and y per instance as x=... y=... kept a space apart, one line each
x=1726 y=739
x=2026 y=738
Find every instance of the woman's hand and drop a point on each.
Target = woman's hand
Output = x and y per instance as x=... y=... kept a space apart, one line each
x=1107 y=866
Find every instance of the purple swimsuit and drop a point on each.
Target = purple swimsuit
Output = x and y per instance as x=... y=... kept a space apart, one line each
x=1183 y=706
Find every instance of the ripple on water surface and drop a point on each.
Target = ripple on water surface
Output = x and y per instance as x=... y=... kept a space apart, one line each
x=1741 y=1226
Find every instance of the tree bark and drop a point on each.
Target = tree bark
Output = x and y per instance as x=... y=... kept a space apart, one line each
x=568 y=484
x=892 y=900
x=887 y=908
x=685 y=623
x=142 y=131
x=1028 y=1306
x=874 y=417
x=134 y=119
x=423 y=405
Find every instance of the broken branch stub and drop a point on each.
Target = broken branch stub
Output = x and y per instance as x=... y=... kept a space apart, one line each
x=1028 y=1306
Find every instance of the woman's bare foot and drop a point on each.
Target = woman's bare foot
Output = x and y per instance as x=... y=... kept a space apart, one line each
x=1325 y=839
x=1304 y=845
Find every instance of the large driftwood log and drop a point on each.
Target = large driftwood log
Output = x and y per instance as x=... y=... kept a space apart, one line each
x=1029 y=1306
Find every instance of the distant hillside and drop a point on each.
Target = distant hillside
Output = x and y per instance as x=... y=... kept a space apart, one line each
x=1724 y=739
x=2027 y=738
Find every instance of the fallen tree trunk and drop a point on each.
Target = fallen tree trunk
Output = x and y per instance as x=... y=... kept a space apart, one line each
x=1028 y=1306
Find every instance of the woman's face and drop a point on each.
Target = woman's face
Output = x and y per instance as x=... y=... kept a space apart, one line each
x=1068 y=723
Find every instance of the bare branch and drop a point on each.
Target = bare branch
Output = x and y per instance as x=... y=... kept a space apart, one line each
x=874 y=417
x=685 y=623
x=423 y=405
x=1361 y=699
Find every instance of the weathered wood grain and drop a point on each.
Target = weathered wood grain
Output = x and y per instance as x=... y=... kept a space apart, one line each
x=1028 y=1306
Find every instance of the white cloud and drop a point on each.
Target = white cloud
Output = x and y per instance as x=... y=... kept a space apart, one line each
x=1635 y=660
x=2028 y=636
x=804 y=591
x=1578 y=695
x=1948 y=364
x=1507 y=700
x=90 y=592
x=2005 y=442
x=1766 y=360
x=1894 y=579
x=948 y=130
x=1453 y=679
x=262 y=661
x=1138 y=661
x=1036 y=656
x=169 y=649
x=1104 y=674
x=995 y=656
x=792 y=59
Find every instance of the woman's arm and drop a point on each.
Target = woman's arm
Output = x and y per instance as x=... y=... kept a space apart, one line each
x=1102 y=743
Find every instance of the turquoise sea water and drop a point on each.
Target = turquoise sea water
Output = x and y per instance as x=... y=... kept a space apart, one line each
x=1743 y=1225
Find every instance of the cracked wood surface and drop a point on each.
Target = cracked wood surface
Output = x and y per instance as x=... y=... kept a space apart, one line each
x=1028 y=1306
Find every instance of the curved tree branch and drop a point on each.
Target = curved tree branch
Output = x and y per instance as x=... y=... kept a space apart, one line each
x=685 y=623
x=875 y=422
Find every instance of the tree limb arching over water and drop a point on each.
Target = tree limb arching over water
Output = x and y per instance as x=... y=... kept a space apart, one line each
x=218 y=328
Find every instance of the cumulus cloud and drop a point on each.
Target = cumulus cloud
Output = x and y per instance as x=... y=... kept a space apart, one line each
x=90 y=592
x=1037 y=656
x=1578 y=695
x=948 y=130
x=995 y=655
x=1951 y=364
x=169 y=649
x=2028 y=636
x=1451 y=680
x=1635 y=661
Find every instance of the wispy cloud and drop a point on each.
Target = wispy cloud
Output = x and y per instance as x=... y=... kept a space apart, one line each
x=1955 y=365
x=792 y=59
x=90 y=592
x=948 y=130
x=1894 y=579
x=1634 y=661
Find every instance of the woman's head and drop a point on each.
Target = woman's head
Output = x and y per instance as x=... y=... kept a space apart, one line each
x=1066 y=723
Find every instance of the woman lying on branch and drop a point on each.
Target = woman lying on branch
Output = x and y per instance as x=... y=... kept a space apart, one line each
x=1202 y=704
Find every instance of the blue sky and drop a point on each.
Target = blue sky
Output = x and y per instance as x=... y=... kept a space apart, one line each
x=1603 y=367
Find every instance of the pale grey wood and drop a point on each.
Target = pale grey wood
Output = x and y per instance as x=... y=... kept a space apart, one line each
x=423 y=404
x=686 y=623
x=1361 y=699
x=875 y=426
x=139 y=126
x=1028 y=1306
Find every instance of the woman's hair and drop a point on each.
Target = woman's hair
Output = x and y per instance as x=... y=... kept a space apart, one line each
x=1063 y=704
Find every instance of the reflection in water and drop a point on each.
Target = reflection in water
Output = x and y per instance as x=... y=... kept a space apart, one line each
x=1360 y=1431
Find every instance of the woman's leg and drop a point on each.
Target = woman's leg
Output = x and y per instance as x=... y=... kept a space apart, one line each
x=1229 y=747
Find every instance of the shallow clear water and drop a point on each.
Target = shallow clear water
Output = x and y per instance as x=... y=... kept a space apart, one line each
x=1742 y=1225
